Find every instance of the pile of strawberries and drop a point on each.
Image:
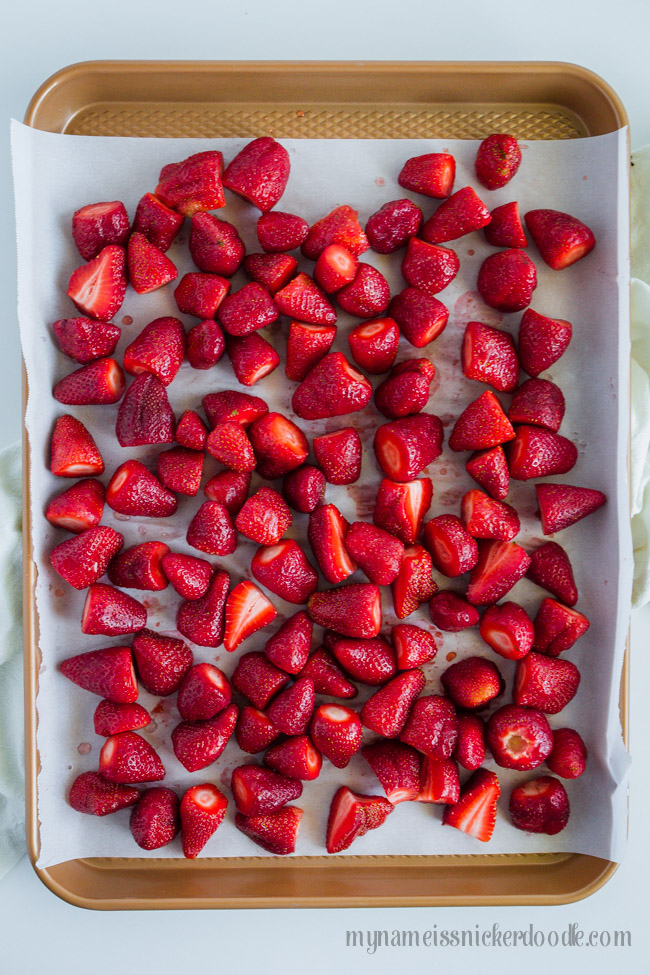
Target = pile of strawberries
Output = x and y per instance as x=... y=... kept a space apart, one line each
x=278 y=700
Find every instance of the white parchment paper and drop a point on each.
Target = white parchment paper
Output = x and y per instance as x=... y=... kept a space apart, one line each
x=54 y=175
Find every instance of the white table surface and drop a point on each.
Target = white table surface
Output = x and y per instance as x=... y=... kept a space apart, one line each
x=38 y=932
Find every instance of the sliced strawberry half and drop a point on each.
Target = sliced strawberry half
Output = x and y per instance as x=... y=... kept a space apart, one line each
x=98 y=288
x=404 y=447
x=326 y=534
x=500 y=565
x=134 y=490
x=84 y=340
x=149 y=267
x=353 y=610
x=100 y=382
x=374 y=344
x=475 y=813
x=127 y=758
x=557 y=627
x=562 y=505
x=295 y=757
x=285 y=570
x=159 y=349
x=108 y=672
x=264 y=517
x=111 y=612
x=561 y=239
x=551 y=569
x=453 y=549
x=387 y=710
x=280 y=446
x=481 y=424
x=508 y=630
x=460 y=214
x=79 y=508
x=414 y=583
x=306 y=345
x=336 y=731
x=397 y=766
x=351 y=815
x=140 y=567
x=73 y=452
x=400 y=508
x=276 y=832
x=332 y=388
x=161 y=661
x=193 y=184
x=537 y=452
x=439 y=781
x=489 y=468
x=202 y=810
x=431 y=174
x=247 y=610
x=84 y=558
x=546 y=683
x=145 y=415
x=489 y=355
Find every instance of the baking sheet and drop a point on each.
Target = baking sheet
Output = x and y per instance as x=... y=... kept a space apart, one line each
x=56 y=174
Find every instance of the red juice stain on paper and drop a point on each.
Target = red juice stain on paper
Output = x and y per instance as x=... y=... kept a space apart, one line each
x=471 y=252
x=380 y=181
x=470 y=307
x=84 y=748
x=127 y=320
x=451 y=656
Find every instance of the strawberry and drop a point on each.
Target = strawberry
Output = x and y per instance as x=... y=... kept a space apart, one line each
x=228 y=443
x=278 y=231
x=369 y=661
x=336 y=732
x=472 y=683
x=475 y=812
x=198 y=744
x=110 y=718
x=506 y=280
x=264 y=517
x=500 y=565
x=537 y=452
x=341 y=226
x=157 y=222
x=161 y=661
x=540 y=806
x=159 y=349
x=489 y=468
x=98 y=287
x=252 y=357
x=484 y=517
x=295 y=757
x=545 y=683
x=390 y=227
x=373 y=344
x=84 y=340
x=497 y=160
x=200 y=294
x=180 y=470
x=428 y=267
x=508 y=630
x=332 y=388
x=189 y=576
x=257 y=678
x=304 y=488
x=351 y=815
x=431 y=727
x=232 y=406
x=481 y=424
x=327 y=676
x=246 y=310
x=155 y=819
x=127 y=758
x=247 y=610
x=561 y=239
x=538 y=402
x=145 y=415
x=211 y=530
x=259 y=172
x=255 y=731
x=134 y=490
x=562 y=505
x=367 y=296
x=335 y=268
x=203 y=808
x=292 y=708
x=557 y=627
x=551 y=569
x=505 y=229
x=413 y=645
x=339 y=455
x=406 y=390
x=191 y=431
x=276 y=832
x=470 y=744
x=108 y=672
x=215 y=245
x=203 y=692
x=375 y=551
x=285 y=570
x=439 y=782
x=569 y=755
x=404 y=448
x=79 y=508
x=205 y=345
x=306 y=345
x=304 y=300
x=98 y=224
x=353 y=610
x=413 y=585
x=139 y=567
x=489 y=355
x=460 y=214
x=289 y=647
x=100 y=382
x=326 y=534
x=432 y=174
x=452 y=548
x=111 y=612
x=273 y=271
x=228 y=488
x=84 y=558
x=193 y=184
x=452 y=613
x=397 y=766
x=202 y=620
x=90 y=793
x=400 y=508
x=259 y=790
x=149 y=267
x=387 y=710
x=542 y=341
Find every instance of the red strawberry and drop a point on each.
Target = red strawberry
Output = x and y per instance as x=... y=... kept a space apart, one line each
x=351 y=815
x=259 y=172
x=277 y=231
x=276 y=832
x=295 y=757
x=246 y=310
x=255 y=730
x=390 y=227
x=205 y=345
x=97 y=225
x=327 y=676
x=489 y=355
x=215 y=245
x=108 y=672
x=353 y=610
x=397 y=766
x=551 y=569
x=562 y=239
x=405 y=447
x=190 y=431
x=100 y=382
x=538 y=402
x=273 y=271
x=202 y=620
x=159 y=224
x=159 y=349
x=110 y=718
x=285 y=570
x=247 y=610
x=367 y=296
x=489 y=468
x=280 y=446
x=73 y=452
x=134 y=490
x=162 y=661
x=189 y=576
x=84 y=558
x=453 y=550
x=145 y=415
x=537 y=452
x=452 y=613
x=374 y=344
x=78 y=508
x=211 y=530
x=292 y=708
x=202 y=810
x=484 y=517
x=228 y=488
x=428 y=267
x=505 y=229
x=306 y=345
x=335 y=268
x=540 y=806
x=232 y=406
x=413 y=584
x=98 y=288
x=180 y=470
x=481 y=424
x=506 y=280
x=369 y=661
x=193 y=184
x=127 y=758
x=139 y=567
x=472 y=682
x=341 y=226
x=562 y=505
x=439 y=781
x=432 y=174
x=111 y=612
x=332 y=388
x=569 y=755
x=155 y=820
x=406 y=390
x=339 y=455
x=257 y=678
x=545 y=682
x=252 y=357
x=336 y=732
x=413 y=646
x=497 y=160
x=557 y=627
x=542 y=341
x=304 y=300
x=289 y=647
x=90 y=793
x=460 y=214
x=500 y=565
x=375 y=551
x=304 y=489
x=400 y=508
x=149 y=267
x=203 y=692
x=508 y=630
x=259 y=790
x=475 y=812
x=264 y=517
x=470 y=744
x=432 y=726
x=326 y=534
x=200 y=294
x=387 y=710
x=198 y=744
x=228 y=443
x=84 y=340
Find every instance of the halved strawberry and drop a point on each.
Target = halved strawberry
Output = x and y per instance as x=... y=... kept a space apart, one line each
x=134 y=490
x=341 y=226
x=96 y=225
x=406 y=390
x=339 y=455
x=246 y=310
x=203 y=692
x=369 y=661
x=460 y=214
x=452 y=548
x=84 y=558
x=155 y=821
x=538 y=402
x=278 y=231
x=259 y=172
x=375 y=551
x=84 y=340
x=367 y=296
x=304 y=300
x=414 y=583
x=280 y=446
x=202 y=620
x=540 y=806
x=200 y=294
x=508 y=630
x=481 y=424
x=431 y=726
x=108 y=672
x=326 y=534
x=561 y=239
x=228 y=443
x=351 y=815
x=413 y=645
x=439 y=782
x=291 y=709
x=557 y=627
x=400 y=508
x=285 y=570
x=304 y=488
x=90 y=793
x=542 y=341
x=127 y=758
x=189 y=576
x=139 y=567
x=390 y=227
x=500 y=565
x=228 y=488
x=327 y=676
x=551 y=569
x=257 y=678
x=569 y=755
x=191 y=431
x=258 y=790
x=100 y=382
x=489 y=468
x=489 y=355
x=484 y=517
x=181 y=470
x=336 y=267
x=470 y=744
x=404 y=447
x=193 y=184
x=497 y=160
x=273 y=271
x=289 y=647
x=451 y=613
x=353 y=610
x=306 y=345
x=387 y=710
x=431 y=174
x=420 y=316
x=397 y=766
x=202 y=809
x=247 y=610
x=332 y=388
x=98 y=288
x=428 y=267
x=111 y=612
x=252 y=357
x=215 y=245
x=374 y=344
x=295 y=757
x=336 y=732
x=562 y=505
x=276 y=832
x=159 y=348
x=145 y=415
x=546 y=683
x=159 y=224
x=149 y=267
x=475 y=813
x=161 y=661
x=264 y=517
x=537 y=452
x=506 y=229
x=211 y=530
x=198 y=744
x=472 y=683
x=506 y=280
x=255 y=731
x=78 y=508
